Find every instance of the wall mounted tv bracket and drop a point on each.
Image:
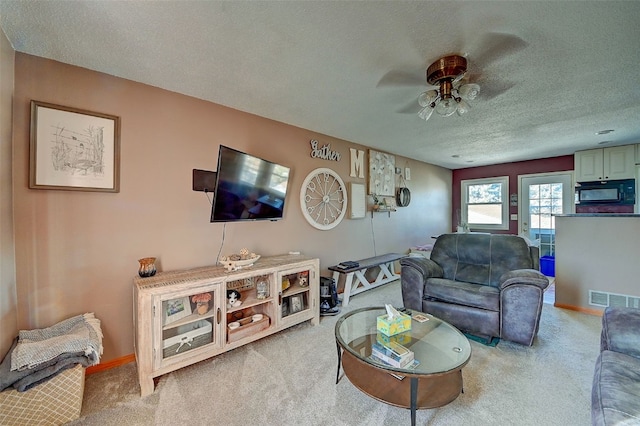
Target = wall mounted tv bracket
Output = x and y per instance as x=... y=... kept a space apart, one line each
x=204 y=180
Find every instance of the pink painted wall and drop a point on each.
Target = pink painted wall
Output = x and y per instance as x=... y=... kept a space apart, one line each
x=77 y=251
x=8 y=302
x=513 y=170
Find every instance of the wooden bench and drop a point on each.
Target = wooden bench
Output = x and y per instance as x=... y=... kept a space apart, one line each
x=353 y=286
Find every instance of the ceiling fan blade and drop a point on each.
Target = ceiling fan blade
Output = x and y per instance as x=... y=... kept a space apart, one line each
x=493 y=89
x=411 y=108
x=494 y=46
x=402 y=78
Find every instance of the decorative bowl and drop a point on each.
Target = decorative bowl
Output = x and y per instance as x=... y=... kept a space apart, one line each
x=234 y=265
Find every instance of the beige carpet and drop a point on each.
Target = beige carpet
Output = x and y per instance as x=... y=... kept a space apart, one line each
x=289 y=379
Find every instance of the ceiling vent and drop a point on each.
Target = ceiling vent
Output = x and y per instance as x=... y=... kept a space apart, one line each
x=605 y=299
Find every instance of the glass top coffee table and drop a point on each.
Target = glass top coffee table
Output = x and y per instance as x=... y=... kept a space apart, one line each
x=440 y=349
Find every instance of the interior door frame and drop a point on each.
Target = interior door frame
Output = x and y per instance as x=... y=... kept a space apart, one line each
x=521 y=213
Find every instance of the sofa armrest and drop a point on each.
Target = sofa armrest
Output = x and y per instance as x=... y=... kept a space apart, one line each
x=620 y=331
x=523 y=276
x=521 y=299
x=414 y=274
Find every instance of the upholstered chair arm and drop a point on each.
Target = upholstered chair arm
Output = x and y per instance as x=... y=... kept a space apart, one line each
x=620 y=331
x=523 y=276
x=414 y=273
x=521 y=297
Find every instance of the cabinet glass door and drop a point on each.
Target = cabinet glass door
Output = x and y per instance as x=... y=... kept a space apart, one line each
x=295 y=297
x=189 y=319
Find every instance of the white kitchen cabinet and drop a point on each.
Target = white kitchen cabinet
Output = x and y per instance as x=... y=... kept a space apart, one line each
x=182 y=317
x=605 y=163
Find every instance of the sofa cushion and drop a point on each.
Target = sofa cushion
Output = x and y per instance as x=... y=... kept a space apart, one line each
x=463 y=293
x=463 y=261
x=615 y=397
x=620 y=331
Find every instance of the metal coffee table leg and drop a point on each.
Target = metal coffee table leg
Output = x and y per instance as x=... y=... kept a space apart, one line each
x=339 y=361
x=414 y=398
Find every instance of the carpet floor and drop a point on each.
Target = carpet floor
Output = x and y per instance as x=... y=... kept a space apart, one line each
x=289 y=379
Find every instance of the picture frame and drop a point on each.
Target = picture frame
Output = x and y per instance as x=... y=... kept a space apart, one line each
x=73 y=149
x=296 y=304
x=175 y=309
x=382 y=168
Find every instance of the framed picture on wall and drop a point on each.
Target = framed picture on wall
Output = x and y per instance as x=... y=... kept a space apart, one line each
x=73 y=149
x=382 y=173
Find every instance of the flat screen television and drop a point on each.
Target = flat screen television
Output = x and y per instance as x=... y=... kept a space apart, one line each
x=248 y=188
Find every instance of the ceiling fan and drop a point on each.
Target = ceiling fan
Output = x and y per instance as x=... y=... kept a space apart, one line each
x=450 y=84
x=450 y=96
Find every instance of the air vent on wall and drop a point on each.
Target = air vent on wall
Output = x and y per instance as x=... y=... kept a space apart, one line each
x=606 y=299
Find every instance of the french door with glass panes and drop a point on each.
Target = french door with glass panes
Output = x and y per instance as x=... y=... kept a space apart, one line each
x=543 y=196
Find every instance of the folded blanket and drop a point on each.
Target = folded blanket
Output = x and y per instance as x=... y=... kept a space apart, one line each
x=26 y=379
x=80 y=334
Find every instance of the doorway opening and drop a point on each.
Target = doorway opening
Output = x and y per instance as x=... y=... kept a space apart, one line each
x=543 y=197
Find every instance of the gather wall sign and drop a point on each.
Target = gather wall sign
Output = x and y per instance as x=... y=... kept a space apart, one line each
x=324 y=153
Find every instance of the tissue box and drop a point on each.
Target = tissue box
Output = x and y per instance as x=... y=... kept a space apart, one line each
x=400 y=338
x=398 y=324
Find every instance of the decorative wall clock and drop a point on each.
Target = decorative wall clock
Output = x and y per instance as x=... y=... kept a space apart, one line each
x=323 y=199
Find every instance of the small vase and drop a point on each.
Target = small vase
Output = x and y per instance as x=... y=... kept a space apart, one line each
x=202 y=308
x=147 y=267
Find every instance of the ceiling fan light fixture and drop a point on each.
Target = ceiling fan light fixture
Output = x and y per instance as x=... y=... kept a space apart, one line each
x=463 y=106
x=426 y=112
x=427 y=98
x=446 y=73
x=447 y=107
x=469 y=91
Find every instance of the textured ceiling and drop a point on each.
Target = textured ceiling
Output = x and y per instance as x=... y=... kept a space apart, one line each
x=354 y=69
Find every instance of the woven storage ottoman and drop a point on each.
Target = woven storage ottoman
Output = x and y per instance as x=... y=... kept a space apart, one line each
x=54 y=402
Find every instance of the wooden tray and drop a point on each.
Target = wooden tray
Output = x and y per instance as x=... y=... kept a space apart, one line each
x=247 y=330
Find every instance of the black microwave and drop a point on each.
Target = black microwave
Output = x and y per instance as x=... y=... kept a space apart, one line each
x=606 y=192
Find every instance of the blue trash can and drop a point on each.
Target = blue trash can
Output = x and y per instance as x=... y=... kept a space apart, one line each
x=548 y=266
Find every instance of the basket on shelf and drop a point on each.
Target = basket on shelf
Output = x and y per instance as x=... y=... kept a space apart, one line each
x=191 y=336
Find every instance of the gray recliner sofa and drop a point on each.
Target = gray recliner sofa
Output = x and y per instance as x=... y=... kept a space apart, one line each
x=487 y=285
x=615 y=395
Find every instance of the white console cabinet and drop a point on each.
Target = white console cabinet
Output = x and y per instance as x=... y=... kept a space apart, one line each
x=182 y=317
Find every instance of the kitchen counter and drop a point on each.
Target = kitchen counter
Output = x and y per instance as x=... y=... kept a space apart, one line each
x=596 y=259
